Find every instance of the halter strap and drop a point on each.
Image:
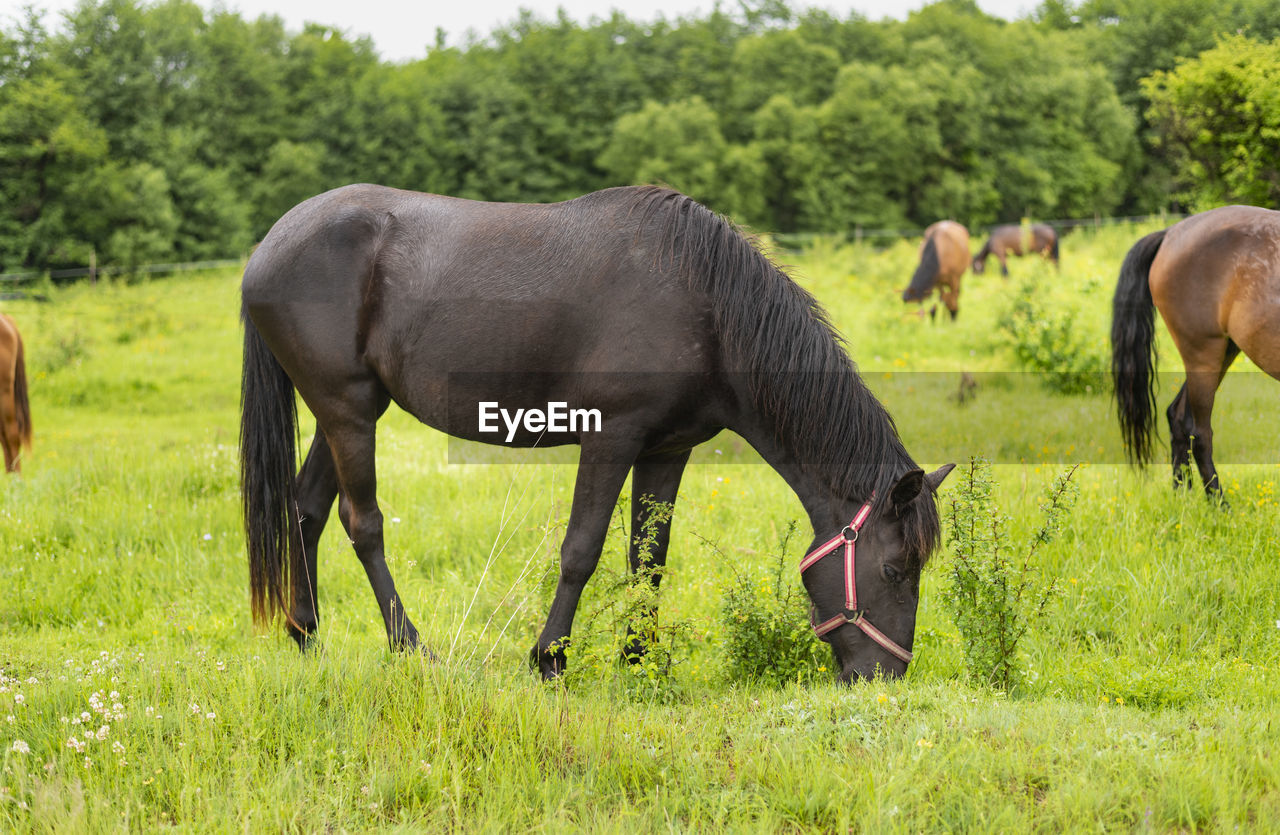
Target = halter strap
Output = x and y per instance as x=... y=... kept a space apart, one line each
x=851 y=614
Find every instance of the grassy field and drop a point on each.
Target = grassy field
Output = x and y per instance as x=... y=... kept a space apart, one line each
x=136 y=693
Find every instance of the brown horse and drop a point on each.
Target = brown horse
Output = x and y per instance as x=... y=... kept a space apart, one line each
x=944 y=256
x=1215 y=278
x=1009 y=240
x=15 y=412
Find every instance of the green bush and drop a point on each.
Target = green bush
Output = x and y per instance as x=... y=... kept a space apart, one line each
x=627 y=614
x=767 y=636
x=1047 y=340
x=995 y=591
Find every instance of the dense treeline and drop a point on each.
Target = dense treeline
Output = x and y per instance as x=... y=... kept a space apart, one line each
x=149 y=131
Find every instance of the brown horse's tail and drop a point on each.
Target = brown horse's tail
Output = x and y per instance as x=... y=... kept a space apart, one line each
x=1133 y=349
x=21 y=402
x=1053 y=248
x=268 y=455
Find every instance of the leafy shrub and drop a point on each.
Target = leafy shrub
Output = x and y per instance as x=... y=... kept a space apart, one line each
x=767 y=633
x=1047 y=340
x=628 y=618
x=995 y=591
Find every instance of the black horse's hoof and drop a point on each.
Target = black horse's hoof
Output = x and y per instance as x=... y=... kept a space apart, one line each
x=305 y=639
x=633 y=651
x=549 y=663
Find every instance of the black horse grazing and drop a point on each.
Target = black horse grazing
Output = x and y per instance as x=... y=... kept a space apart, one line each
x=1215 y=278
x=636 y=302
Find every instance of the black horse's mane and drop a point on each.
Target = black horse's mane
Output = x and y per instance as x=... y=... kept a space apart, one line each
x=798 y=370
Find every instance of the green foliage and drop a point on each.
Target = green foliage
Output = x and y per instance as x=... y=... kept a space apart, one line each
x=622 y=640
x=1219 y=114
x=786 y=119
x=1048 y=339
x=766 y=632
x=996 y=592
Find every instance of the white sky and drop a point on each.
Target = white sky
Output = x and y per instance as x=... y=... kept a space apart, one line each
x=402 y=29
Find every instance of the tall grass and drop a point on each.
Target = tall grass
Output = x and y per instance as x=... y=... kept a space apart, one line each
x=1148 y=702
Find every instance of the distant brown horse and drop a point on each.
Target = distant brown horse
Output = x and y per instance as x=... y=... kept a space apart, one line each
x=15 y=412
x=1009 y=240
x=1215 y=278
x=944 y=256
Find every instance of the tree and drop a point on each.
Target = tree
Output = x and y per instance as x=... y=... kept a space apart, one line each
x=680 y=145
x=1219 y=115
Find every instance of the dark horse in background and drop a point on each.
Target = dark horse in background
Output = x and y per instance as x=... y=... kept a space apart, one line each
x=944 y=256
x=15 y=410
x=1215 y=278
x=1010 y=240
x=638 y=302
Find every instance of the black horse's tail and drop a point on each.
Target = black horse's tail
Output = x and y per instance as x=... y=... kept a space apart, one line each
x=268 y=450
x=1133 y=349
x=925 y=275
x=1053 y=248
x=21 y=402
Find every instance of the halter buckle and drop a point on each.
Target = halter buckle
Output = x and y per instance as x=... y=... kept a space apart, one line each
x=850 y=533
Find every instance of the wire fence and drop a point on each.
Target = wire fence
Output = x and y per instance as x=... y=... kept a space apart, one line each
x=858 y=234
x=791 y=240
x=95 y=272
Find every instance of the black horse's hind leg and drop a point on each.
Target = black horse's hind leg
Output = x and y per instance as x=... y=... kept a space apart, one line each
x=349 y=429
x=654 y=482
x=317 y=485
x=602 y=470
x=1180 y=429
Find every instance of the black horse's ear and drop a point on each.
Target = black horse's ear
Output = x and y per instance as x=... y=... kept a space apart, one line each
x=934 y=479
x=907 y=488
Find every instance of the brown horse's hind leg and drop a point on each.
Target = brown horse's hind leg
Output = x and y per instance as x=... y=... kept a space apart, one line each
x=1180 y=430
x=654 y=481
x=10 y=435
x=348 y=426
x=950 y=292
x=1202 y=388
x=602 y=470
x=317 y=485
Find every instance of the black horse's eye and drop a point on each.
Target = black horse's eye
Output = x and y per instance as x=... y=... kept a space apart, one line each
x=892 y=574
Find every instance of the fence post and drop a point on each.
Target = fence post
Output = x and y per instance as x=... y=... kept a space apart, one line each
x=93 y=265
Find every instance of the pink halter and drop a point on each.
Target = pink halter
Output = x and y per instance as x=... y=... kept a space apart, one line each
x=852 y=614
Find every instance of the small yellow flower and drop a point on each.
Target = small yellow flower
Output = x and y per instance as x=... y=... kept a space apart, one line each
x=1119 y=700
x=924 y=743
x=882 y=698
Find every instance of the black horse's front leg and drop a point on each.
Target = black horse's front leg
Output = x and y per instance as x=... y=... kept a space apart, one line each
x=602 y=470
x=654 y=483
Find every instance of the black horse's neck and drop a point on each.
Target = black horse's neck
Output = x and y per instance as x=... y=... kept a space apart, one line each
x=801 y=401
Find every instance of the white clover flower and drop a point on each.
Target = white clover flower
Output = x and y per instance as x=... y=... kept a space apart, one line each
x=117 y=747
x=18 y=698
x=20 y=747
x=211 y=715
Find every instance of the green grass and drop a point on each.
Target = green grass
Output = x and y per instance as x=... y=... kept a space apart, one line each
x=1149 y=705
